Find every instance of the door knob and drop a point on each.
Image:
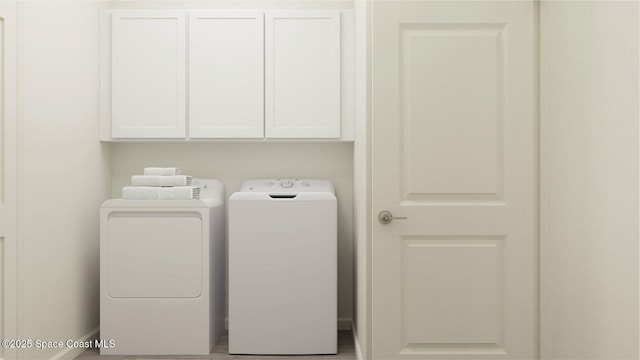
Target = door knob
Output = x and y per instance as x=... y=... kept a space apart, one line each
x=386 y=217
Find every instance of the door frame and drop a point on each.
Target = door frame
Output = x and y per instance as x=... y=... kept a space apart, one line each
x=11 y=142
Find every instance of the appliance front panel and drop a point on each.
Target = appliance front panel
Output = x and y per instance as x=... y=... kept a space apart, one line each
x=154 y=255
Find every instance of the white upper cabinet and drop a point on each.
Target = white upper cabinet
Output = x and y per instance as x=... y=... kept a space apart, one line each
x=148 y=69
x=226 y=74
x=302 y=74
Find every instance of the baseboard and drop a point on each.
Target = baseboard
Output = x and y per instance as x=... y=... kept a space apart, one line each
x=71 y=353
x=343 y=324
x=356 y=342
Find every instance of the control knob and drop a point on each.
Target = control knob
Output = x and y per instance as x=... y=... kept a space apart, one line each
x=286 y=183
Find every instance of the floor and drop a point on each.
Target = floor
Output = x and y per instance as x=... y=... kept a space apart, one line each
x=346 y=350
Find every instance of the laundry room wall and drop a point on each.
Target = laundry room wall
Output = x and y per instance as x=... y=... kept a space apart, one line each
x=63 y=174
x=589 y=180
x=233 y=162
x=362 y=186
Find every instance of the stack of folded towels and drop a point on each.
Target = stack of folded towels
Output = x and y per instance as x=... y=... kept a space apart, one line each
x=161 y=184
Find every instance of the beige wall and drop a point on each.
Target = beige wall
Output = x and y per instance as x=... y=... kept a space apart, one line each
x=589 y=171
x=64 y=174
x=232 y=163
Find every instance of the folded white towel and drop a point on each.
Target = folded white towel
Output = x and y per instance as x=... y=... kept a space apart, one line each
x=161 y=171
x=160 y=193
x=160 y=180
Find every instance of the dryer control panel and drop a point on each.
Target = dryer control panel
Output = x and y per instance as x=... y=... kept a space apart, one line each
x=209 y=189
x=287 y=185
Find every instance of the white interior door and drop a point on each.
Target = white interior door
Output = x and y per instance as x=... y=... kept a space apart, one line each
x=8 y=174
x=454 y=151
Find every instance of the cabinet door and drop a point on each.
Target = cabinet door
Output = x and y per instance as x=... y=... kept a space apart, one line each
x=302 y=62
x=148 y=74
x=226 y=74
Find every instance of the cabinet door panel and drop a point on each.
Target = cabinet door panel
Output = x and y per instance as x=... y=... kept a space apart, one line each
x=226 y=74
x=148 y=74
x=302 y=64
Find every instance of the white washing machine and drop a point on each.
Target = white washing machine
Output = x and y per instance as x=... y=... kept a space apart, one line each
x=162 y=274
x=283 y=267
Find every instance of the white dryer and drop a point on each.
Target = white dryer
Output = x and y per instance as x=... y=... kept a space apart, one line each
x=283 y=267
x=162 y=274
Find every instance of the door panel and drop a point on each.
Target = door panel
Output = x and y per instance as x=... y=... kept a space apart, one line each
x=148 y=73
x=302 y=74
x=435 y=60
x=454 y=151
x=226 y=74
x=474 y=269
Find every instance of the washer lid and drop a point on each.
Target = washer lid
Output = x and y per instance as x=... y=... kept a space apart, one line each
x=287 y=186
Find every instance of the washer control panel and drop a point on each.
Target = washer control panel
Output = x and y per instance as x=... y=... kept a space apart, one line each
x=287 y=185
